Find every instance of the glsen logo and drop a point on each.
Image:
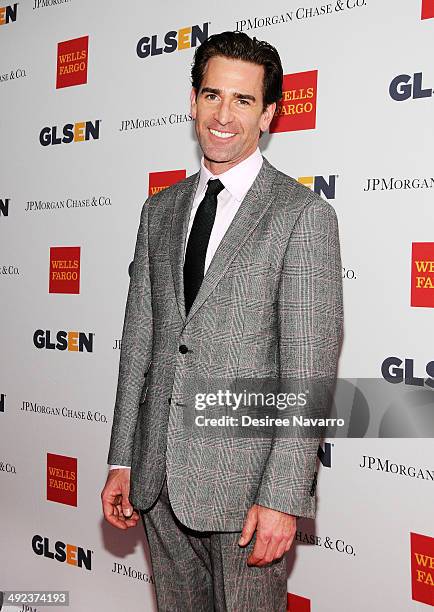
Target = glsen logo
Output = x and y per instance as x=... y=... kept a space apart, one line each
x=320 y=185
x=72 y=56
x=62 y=479
x=296 y=603
x=297 y=108
x=393 y=372
x=65 y=341
x=325 y=454
x=422 y=274
x=8 y=14
x=427 y=9
x=64 y=553
x=161 y=180
x=64 y=270
x=72 y=132
x=184 y=38
x=422 y=568
x=405 y=86
x=2 y=402
x=4 y=207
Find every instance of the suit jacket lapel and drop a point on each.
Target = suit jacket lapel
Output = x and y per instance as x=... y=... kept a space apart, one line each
x=178 y=232
x=252 y=208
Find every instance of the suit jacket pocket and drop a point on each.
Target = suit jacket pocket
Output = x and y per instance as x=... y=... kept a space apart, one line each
x=145 y=386
x=144 y=392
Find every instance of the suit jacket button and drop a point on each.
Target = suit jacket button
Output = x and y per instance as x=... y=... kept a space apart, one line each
x=183 y=349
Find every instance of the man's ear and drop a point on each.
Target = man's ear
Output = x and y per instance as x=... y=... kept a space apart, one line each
x=267 y=116
x=193 y=103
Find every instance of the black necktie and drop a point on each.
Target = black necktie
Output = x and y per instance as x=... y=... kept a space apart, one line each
x=194 y=263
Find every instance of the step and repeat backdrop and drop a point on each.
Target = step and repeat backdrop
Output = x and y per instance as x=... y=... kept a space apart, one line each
x=94 y=118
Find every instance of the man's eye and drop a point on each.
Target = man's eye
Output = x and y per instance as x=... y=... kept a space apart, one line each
x=208 y=96
x=243 y=102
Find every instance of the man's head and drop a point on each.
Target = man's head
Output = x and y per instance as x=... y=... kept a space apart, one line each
x=236 y=85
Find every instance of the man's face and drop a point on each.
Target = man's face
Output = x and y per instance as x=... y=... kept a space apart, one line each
x=228 y=112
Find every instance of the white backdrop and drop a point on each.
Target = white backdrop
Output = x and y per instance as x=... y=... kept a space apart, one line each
x=356 y=555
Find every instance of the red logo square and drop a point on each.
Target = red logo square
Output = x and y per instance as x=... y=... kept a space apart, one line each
x=62 y=479
x=427 y=9
x=422 y=274
x=296 y=603
x=64 y=270
x=162 y=180
x=297 y=108
x=72 y=56
x=422 y=568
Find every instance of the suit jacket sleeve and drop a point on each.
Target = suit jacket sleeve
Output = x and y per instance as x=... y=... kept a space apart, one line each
x=310 y=319
x=136 y=350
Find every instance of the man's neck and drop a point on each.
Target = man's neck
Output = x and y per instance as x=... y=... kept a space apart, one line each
x=217 y=168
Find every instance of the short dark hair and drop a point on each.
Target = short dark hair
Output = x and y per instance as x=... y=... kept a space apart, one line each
x=238 y=45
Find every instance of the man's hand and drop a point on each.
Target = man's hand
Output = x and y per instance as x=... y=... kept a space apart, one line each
x=115 y=503
x=274 y=534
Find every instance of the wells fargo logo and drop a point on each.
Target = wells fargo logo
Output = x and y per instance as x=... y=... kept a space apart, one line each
x=427 y=9
x=62 y=479
x=71 y=132
x=8 y=14
x=184 y=38
x=297 y=108
x=64 y=270
x=422 y=274
x=161 y=180
x=64 y=553
x=422 y=568
x=72 y=58
x=321 y=185
x=64 y=340
x=295 y=603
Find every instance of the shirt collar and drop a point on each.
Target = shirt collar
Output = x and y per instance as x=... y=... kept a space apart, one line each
x=237 y=180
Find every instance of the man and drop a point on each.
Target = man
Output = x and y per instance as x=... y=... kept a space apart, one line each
x=236 y=275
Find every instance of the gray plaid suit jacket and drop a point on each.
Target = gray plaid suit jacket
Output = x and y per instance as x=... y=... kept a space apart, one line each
x=270 y=305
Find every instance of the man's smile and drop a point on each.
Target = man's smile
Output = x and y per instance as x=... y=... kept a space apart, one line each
x=223 y=135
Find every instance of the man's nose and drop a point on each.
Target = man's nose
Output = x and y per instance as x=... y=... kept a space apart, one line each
x=223 y=114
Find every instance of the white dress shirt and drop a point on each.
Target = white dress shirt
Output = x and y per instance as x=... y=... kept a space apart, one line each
x=237 y=182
